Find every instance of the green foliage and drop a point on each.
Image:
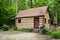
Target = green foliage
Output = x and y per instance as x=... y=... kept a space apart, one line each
x=7 y=11
x=13 y=28
x=5 y=27
x=19 y=29
x=8 y=27
x=55 y=34
x=45 y=31
x=25 y=29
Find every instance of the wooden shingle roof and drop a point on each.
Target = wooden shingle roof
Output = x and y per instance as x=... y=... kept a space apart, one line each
x=33 y=12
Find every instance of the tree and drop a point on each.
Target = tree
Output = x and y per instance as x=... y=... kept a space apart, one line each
x=7 y=11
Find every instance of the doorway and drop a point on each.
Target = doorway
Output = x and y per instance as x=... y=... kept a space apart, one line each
x=36 y=22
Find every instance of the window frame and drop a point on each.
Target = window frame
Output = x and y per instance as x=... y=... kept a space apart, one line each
x=45 y=20
x=19 y=20
x=48 y=20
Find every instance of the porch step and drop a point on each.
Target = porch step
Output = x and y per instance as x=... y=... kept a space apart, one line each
x=36 y=30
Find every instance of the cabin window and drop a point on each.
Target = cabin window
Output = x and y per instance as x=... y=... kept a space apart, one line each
x=48 y=20
x=19 y=20
x=45 y=20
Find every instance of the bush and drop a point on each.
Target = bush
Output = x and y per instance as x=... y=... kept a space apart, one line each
x=19 y=29
x=13 y=28
x=5 y=27
x=8 y=27
x=56 y=34
x=53 y=34
x=45 y=31
x=25 y=29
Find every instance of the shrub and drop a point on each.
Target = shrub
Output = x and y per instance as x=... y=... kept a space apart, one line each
x=5 y=27
x=56 y=34
x=53 y=34
x=25 y=29
x=19 y=29
x=45 y=31
x=15 y=28
x=8 y=27
x=12 y=27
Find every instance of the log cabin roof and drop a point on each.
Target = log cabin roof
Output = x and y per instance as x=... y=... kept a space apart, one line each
x=32 y=12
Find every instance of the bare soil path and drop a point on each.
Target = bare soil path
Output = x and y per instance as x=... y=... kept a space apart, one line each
x=13 y=35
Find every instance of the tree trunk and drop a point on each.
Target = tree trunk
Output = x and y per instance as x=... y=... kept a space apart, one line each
x=55 y=20
x=31 y=3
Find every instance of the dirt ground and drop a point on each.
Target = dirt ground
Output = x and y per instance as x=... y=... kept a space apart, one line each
x=16 y=35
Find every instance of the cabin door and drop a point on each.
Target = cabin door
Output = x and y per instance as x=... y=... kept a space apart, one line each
x=36 y=22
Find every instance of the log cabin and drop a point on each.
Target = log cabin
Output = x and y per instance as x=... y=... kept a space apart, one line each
x=32 y=18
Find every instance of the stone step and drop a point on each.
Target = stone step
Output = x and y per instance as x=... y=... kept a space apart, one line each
x=36 y=30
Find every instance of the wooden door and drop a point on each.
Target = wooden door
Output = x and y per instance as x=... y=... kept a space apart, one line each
x=36 y=22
